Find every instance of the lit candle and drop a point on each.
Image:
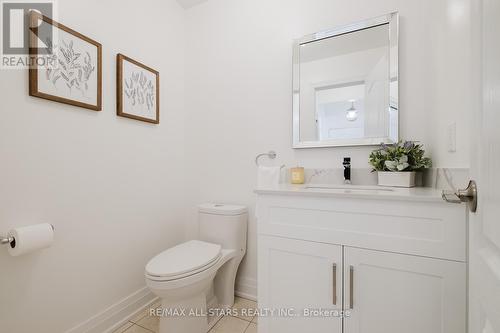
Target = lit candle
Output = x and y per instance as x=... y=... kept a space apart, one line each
x=297 y=175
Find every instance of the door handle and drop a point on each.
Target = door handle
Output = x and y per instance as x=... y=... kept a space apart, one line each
x=468 y=195
x=351 y=287
x=334 y=284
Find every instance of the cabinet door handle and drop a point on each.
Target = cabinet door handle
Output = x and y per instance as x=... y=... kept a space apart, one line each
x=334 y=284
x=351 y=287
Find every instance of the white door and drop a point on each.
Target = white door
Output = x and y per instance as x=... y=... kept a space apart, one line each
x=484 y=246
x=396 y=293
x=299 y=275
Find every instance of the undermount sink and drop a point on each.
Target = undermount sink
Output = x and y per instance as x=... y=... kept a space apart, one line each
x=348 y=188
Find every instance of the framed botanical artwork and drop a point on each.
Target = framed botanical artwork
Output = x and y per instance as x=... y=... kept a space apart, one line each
x=71 y=71
x=138 y=90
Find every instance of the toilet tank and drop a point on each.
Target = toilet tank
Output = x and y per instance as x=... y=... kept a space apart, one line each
x=223 y=224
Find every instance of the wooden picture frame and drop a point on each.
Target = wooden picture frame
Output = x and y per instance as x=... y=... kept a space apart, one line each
x=76 y=79
x=137 y=90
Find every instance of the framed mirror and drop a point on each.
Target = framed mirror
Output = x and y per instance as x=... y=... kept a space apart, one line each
x=345 y=85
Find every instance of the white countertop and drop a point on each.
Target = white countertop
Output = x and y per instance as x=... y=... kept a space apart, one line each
x=425 y=194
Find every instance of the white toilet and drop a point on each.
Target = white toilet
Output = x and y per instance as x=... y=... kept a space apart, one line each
x=199 y=275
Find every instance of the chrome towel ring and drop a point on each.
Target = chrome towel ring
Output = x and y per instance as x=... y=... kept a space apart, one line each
x=270 y=154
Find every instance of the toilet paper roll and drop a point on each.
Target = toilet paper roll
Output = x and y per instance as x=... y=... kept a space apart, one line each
x=30 y=238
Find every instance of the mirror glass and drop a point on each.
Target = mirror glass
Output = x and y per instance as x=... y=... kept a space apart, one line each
x=346 y=85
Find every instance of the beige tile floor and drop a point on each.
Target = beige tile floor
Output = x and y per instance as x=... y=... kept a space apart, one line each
x=144 y=323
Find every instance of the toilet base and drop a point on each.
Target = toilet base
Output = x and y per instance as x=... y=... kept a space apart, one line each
x=186 y=316
x=185 y=301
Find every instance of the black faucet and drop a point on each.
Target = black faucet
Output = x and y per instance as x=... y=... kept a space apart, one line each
x=347 y=170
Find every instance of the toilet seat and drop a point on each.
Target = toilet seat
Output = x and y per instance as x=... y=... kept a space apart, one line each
x=183 y=260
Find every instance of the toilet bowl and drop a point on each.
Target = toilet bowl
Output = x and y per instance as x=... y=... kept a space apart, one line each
x=196 y=277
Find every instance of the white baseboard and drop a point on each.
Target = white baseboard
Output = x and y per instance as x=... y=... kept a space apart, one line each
x=246 y=288
x=120 y=312
x=117 y=314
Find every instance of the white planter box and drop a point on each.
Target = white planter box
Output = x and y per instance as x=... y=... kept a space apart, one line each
x=419 y=178
x=396 y=179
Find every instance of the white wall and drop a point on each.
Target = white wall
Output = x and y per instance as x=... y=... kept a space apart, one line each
x=119 y=191
x=239 y=97
x=113 y=187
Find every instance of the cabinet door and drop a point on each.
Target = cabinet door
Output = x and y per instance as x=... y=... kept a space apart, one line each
x=395 y=293
x=299 y=275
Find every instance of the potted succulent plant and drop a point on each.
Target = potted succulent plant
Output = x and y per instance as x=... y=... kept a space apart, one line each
x=398 y=164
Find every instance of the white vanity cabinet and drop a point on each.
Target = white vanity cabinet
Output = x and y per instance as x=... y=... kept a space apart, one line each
x=299 y=275
x=391 y=262
x=390 y=292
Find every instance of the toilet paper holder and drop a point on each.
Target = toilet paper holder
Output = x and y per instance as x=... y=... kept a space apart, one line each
x=4 y=240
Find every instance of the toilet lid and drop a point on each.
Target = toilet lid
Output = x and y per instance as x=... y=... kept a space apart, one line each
x=183 y=258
